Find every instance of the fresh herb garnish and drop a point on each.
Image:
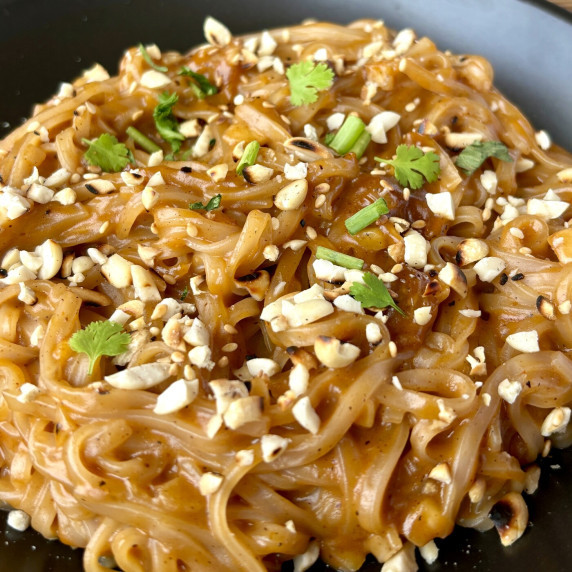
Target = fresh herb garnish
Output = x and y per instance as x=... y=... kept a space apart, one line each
x=148 y=59
x=373 y=294
x=213 y=203
x=98 y=339
x=142 y=140
x=339 y=258
x=165 y=122
x=412 y=165
x=364 y=217
x=248 y=156
x=199 y=84
x=106 y=152
x=473 y=156
x=184 y=294
x=306 y=79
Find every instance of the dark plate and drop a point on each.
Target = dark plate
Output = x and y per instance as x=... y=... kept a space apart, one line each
x=530 y=46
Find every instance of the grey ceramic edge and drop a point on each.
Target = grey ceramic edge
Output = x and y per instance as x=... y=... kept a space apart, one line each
x=529 y=44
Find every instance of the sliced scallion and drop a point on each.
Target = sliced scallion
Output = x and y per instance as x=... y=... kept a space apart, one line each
x=142 y=140
x=148 y=59
x=364 y=217
x=339 y=258
x=248 y=156
x=361 y=144
x=347 y=135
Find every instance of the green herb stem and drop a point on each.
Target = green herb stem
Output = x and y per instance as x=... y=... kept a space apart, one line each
x=347 y=135
x=148 y=59
x=361 y=144
x=142 y=140
x=364 y=217
x=339 y=258
x=248 y=156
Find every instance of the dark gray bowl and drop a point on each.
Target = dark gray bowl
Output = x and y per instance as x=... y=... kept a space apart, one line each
x=530 y=46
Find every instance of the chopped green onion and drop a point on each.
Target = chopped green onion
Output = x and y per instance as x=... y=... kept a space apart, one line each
x=142 y=140
x=347 y=135
x=248 y=156
x=361 y=144
x=148 y=59
x=339 y=258
x=328 y=138
x=364 y=217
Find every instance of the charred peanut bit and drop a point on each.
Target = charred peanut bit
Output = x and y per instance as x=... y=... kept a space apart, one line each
x=307 y=150
x=18 y=520
x=380 y=124
x=304 y=561
x=149 y=198
x=154 y=79
x=546 y=308
x=210 y=483
x=40 y=193
x=305 y=414
x=216 y=33
x=292 y=195
x=117 y=270
x=256 y=284
x=28 y=393
x=145 y=288
x=565 y=176
x=510 y=517
x=139 y=377
x=52 y=256
x=27 y=295
x=441 y=473
x=332 y=353
x=262 y=366
x=422 y=316
x=256 y=174
x=454 y=277
x=429 y=552
x=272 y=446
x=471 y=250
x=295 y=172
x=441 y=204
x=489 y=268
x=242 y=411
x=509 y=390
x=461 y=140
x=178 y=395
x=245 y=457
x=218 y=173
x=489 y=181
x=556 y=421
x=526 y=342
x=416 y=249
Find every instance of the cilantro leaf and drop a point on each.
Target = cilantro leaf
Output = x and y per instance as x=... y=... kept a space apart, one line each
x=200 y=84
x=165 y=122
x=148 y=59
x=473 y=156
x=98 y=339
x=106 y=152
x=306 y=79
x=213 y=204
x=411 y=165
x=184 y=294
x=373 y=293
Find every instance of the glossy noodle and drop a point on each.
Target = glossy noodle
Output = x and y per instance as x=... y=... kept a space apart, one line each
x=236 y=432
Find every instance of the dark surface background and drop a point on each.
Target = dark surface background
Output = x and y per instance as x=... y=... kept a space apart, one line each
x=45 y=42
